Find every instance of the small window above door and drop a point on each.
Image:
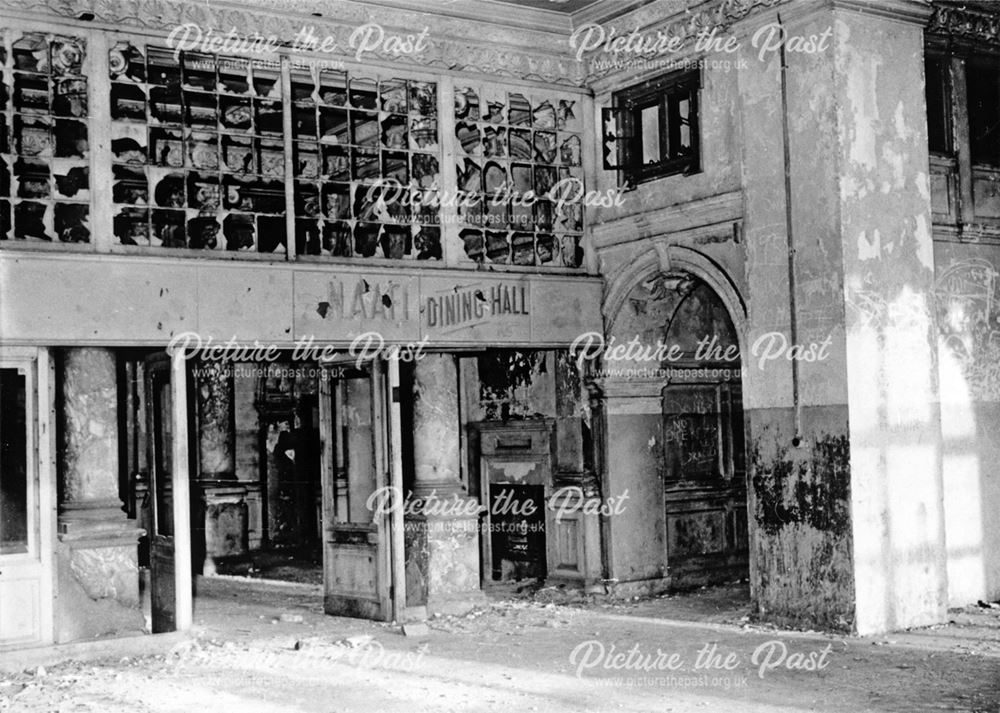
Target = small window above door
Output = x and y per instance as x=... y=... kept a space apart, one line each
x=651 y=130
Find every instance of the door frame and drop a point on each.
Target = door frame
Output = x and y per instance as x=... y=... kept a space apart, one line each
x=177 y=374
x=40 y=417
x=181 y=485
x=387 y=445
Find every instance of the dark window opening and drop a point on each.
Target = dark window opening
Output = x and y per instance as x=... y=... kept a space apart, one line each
x=652 y=129
x=938 y=104
x=983 y=87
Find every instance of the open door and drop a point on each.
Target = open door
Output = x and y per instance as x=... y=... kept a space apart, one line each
x=169 y=491
x=27 y=498
x=357 y=470
x=159 y=419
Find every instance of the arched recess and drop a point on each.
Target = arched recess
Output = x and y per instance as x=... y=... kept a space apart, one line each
x=678 y=258
x=690 y=415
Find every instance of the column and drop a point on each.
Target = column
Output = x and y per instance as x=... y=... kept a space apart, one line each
x=442 y=544
x=221 y=516
x=436 y=455
x=216 y=438
x=843 y=452
x=98 y=574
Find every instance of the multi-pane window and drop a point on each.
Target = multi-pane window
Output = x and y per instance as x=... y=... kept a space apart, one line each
x=652 y=129
x=44 y=167
x=235 y=154
x=520 y=179
x=198 y=151
x=366 y=165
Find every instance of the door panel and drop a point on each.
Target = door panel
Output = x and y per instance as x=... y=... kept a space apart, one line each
x=705 y=485
x=356 y=540
x=159 y=407
x=25 y=525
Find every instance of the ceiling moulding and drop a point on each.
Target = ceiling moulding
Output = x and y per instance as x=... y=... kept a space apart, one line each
x=966 y=22
x=607 y=10
x=490 y=11
x=453 y=44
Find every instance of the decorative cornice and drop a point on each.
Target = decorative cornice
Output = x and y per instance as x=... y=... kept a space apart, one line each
x=966 y=22
x=458 y=40
x=453 y=43
x=665 y=19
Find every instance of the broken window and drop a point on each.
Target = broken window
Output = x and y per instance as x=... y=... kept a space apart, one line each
x=520 y=179
x=44 y=163
x=197 y=148
x=652 y=129
x=364 y=148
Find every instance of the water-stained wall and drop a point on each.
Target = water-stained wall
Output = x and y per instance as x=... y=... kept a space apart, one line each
x=846 y=494
x=797 y=412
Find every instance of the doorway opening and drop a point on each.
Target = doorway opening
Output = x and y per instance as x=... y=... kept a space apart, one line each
x=704 y=451
x=282 y=462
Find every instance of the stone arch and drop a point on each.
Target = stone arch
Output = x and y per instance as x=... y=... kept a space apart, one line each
x=676 y=258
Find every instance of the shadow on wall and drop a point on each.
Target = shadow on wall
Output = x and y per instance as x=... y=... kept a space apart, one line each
x=967 y=294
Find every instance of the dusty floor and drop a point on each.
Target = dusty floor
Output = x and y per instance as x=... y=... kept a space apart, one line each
x=302 y=564
x=270 y=649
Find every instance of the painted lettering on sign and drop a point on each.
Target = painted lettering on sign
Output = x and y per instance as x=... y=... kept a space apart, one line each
x=468 y=305
x=366 y=300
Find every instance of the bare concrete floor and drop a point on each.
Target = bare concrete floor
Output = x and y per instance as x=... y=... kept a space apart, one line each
x=269 y=648
x=723 y=604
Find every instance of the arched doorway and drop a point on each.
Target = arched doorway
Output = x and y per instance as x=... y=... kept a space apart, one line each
x=674 y=426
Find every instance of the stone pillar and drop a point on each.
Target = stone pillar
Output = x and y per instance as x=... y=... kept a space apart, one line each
x=98 y=574
x=216 y=435
x=843 y=451
x=220 y=523
x=442 y=545
x=436 y=430
x=635 y=544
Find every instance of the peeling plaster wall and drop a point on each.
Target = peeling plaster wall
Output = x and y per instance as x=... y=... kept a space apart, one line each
x=967 y=291
x=552 y=388
x=696 y=214
x=895 y=428
x=696 y=211
x=799 y=496
x=720 y=138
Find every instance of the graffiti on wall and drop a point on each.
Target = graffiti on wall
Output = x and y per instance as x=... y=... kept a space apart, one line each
x=967 y=295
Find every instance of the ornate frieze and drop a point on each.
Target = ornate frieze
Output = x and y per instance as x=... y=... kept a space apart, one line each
x=455 y=44
x=483 y=46
x=964 y=21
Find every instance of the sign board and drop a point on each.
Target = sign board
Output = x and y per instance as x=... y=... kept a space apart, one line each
x=48 y=298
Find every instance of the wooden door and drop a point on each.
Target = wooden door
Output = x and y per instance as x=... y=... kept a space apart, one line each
x=705 y=490
x=160 y=430
x=26 y=499
x=356 y=463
